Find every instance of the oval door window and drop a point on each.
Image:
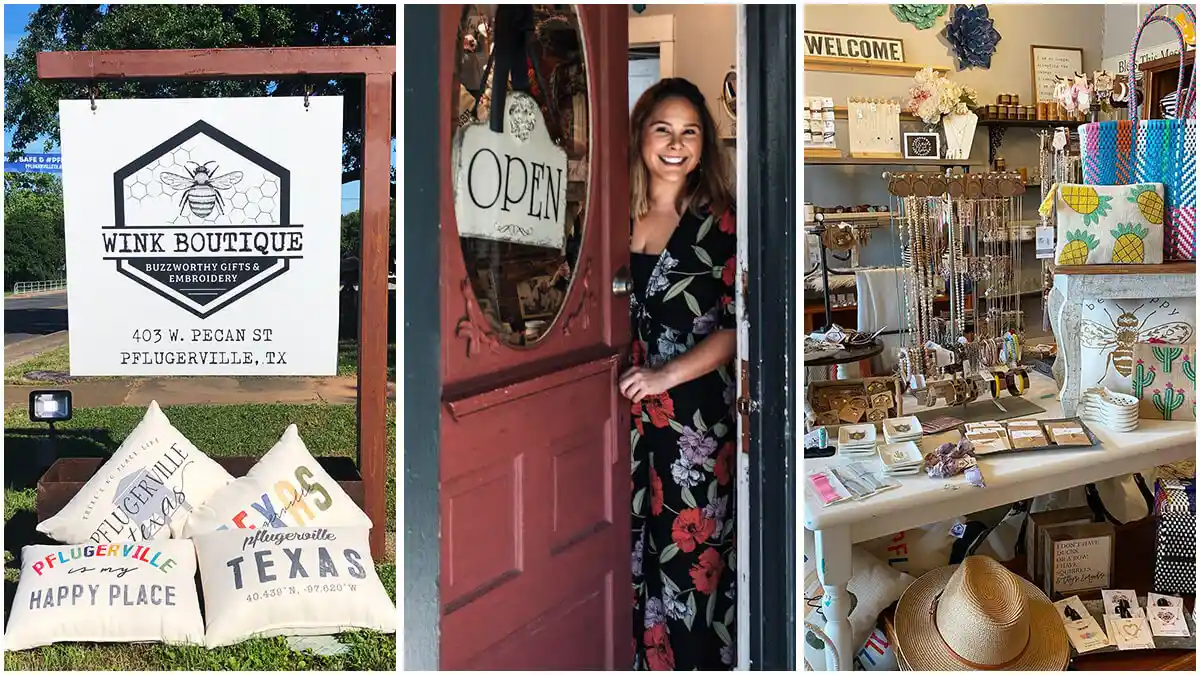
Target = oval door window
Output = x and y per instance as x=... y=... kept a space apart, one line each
x=520 y=199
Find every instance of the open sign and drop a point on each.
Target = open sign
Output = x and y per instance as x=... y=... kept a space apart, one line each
x=511 y=186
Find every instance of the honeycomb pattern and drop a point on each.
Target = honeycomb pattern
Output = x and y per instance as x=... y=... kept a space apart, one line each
x=253 y=200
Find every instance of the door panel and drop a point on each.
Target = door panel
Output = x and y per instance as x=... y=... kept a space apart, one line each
x=535 y=570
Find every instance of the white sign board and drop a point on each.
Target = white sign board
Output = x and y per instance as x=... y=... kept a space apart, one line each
x=511 y=186
x=1050 y=63
x=1117 y=65
x=203 y=235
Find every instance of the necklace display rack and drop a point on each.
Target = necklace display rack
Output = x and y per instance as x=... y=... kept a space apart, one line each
x=1058 y=162
x=957 y=232
x=874 y=125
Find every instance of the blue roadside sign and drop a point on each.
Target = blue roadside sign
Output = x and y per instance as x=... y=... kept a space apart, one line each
x=35 y=163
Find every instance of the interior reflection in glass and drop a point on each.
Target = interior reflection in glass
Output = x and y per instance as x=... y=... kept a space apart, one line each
x=521 y=289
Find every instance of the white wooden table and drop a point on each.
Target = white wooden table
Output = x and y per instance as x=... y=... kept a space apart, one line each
x=1010 y=478
x=1065 y=306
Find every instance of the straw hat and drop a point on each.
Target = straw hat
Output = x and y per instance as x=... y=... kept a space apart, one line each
x=979 y=616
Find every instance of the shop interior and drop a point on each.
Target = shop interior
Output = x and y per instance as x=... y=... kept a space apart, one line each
x=999 y=337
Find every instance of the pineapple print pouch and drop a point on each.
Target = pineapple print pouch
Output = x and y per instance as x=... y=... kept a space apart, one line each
x=1164 y=381
x=1108 y=224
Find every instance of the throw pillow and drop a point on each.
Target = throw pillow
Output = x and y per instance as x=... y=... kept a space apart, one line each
x=126 y=592
x=143 y=492
x=295 y=581
x=286 y=488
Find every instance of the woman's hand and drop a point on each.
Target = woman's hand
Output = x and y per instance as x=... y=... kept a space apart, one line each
x=638 y=383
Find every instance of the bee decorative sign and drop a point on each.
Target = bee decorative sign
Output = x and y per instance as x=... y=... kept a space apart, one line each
x=511 y=186
x=202 y=237
x=1110 y=329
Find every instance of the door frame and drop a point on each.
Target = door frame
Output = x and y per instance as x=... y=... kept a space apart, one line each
x=656 y=31
x=770 y=138
x=770 y=208
x=420 y=428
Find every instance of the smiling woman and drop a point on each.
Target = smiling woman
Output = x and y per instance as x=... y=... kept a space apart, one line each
x=681 y=383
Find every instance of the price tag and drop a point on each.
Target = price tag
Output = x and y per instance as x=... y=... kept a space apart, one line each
x=1045 y=242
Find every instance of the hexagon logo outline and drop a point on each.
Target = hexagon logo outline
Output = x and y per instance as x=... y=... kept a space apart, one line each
x=277 y=265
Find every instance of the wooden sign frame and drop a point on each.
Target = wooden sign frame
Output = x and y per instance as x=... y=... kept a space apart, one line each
x=870 y=57
x=377 y=67
x=1051 y=535
x=1033 y=79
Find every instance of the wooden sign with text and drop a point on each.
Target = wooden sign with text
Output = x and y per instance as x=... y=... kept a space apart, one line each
x=1079 y=557
x=842 y=46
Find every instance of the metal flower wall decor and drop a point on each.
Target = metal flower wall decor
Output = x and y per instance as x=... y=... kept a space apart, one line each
x=921 y=16
x=972 y=34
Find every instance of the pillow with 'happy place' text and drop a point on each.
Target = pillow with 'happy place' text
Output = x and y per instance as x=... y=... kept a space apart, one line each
x=143 y=492
x=290 y=581
x=126 y=592
x=286 y=488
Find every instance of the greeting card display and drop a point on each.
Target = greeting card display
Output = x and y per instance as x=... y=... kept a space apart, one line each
x=286 y=488
x=1164 y=381
x=145 y=491
x=292 y=581
x=121 y=592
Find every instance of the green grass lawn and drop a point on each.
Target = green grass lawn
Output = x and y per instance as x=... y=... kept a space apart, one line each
x=218 y=431
x=59 y=360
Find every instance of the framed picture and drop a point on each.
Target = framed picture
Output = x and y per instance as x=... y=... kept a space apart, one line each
x=539 y=298
x=1078 y=557
x=922 y=145
x=1048 y=63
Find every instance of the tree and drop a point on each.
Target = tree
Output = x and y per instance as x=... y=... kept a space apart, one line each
x=31 y=105
x=34 y=248
x=352 y=234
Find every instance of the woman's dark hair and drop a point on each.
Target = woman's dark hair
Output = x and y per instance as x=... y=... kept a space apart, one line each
x=708 y=184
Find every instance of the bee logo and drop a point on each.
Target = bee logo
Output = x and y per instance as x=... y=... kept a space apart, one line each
x=1125 y=331
x=201 y=189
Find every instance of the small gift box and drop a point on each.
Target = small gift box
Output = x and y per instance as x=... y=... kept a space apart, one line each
x=1175 y=545
x=1108 y=224
x=1163 y=378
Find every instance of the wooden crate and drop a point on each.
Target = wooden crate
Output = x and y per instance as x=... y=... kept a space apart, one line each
x=63 y=480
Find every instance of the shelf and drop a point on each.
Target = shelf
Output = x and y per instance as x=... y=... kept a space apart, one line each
x=865 y=66
x=853 y=161
x=1030 y=123
x=855 y=217
x=1164 y=268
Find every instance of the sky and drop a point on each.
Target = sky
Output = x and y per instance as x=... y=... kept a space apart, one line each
x=15 y=19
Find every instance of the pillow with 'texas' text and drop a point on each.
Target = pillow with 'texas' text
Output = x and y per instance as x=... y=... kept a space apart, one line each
x=143 y=492
x=286 y=488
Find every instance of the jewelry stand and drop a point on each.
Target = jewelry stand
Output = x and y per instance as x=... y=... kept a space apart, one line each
x=942 y=216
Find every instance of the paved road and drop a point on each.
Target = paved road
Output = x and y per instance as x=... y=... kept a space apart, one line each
x=29 y=316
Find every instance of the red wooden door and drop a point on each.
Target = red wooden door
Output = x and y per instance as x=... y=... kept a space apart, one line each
x=535 y=491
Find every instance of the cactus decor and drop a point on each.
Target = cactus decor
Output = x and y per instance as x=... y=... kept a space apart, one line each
x=1166 y=356
x=1168 y=401
x=1142 y=377
x=1154 y=378
x=1189 y=371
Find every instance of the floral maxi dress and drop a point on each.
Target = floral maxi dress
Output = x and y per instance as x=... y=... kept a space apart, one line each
x=683 y=455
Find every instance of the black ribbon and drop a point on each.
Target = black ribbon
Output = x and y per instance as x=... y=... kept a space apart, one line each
x=514 y=25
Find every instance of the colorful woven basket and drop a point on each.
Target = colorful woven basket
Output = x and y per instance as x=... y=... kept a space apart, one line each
x=1152 y=151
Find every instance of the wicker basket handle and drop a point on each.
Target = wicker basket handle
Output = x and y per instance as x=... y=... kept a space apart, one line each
x=1187 y=107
